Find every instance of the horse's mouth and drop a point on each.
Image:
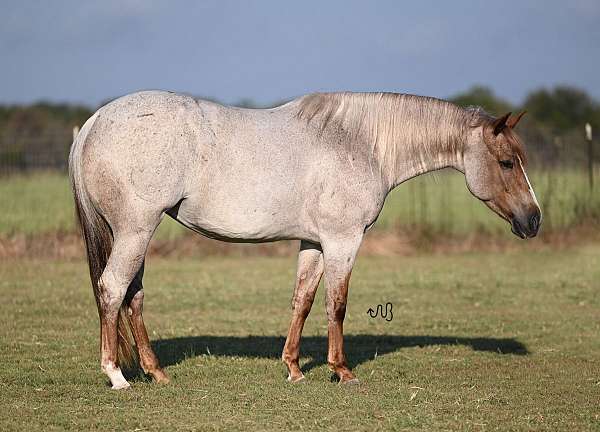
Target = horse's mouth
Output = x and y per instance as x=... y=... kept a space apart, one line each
x=517 y=228
x=524 y=229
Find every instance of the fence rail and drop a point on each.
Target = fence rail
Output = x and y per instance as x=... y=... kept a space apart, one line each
x=31 y=152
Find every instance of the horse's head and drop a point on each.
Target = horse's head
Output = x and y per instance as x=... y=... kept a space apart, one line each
x=494 y=168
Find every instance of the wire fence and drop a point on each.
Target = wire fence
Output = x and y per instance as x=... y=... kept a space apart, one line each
x=29 y=152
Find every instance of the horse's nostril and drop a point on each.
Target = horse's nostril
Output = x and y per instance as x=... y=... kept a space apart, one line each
x=534 y=222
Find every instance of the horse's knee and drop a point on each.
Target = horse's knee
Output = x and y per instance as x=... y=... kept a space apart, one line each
x=303 y=298
x=302 y=307
x=336 y=310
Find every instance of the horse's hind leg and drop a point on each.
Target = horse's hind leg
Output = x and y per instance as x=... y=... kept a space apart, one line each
x=135 y=300
x=310 y=270
x=126 y=258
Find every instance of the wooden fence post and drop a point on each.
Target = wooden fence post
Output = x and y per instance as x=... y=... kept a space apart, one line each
x=588 y=137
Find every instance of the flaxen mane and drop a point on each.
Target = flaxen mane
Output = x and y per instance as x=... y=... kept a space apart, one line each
x=385 y=121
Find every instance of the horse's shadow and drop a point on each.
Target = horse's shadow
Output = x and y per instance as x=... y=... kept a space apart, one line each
x=359 y=348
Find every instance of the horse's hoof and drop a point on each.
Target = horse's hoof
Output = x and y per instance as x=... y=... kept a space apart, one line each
x=295 y=380
x=160 y=377
x=162 y=380
x=351 y=382
x=121 y=386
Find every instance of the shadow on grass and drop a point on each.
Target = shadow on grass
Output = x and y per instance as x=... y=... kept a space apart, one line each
x=359 y=348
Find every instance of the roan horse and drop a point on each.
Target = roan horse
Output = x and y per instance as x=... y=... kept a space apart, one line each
x=317 y=169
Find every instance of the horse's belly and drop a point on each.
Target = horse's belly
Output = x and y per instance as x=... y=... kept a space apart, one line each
x=238 y=223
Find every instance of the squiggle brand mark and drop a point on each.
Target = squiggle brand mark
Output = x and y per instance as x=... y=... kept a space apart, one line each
x=379 y=311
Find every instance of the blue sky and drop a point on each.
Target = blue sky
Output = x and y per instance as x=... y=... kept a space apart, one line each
x=87 y=52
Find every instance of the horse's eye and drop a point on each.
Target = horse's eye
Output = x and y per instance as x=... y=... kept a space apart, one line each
x=506 y=164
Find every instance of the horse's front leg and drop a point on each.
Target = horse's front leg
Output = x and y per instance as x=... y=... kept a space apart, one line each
x=308 y=276
x=339 y=256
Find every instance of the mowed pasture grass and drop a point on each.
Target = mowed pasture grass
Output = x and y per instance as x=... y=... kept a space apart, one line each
x=41 y=203
x=477 y=342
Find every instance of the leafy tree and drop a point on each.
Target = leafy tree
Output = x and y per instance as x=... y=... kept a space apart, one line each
x=483 y=97
x=563 y=108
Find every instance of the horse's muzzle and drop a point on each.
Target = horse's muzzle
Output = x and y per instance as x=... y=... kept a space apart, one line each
x=527 y=227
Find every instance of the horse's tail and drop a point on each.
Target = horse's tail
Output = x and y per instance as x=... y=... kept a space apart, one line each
x=98 y=239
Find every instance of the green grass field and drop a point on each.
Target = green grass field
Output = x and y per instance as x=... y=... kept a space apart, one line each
x=42 y=203
x=478 y=342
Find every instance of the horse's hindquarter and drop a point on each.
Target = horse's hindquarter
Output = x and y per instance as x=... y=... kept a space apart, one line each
x=138 y=152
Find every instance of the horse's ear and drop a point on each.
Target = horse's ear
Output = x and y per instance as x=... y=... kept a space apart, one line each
x=513 y=120
x=500 y=123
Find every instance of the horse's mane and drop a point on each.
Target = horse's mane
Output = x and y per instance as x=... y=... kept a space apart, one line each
x=424 y=125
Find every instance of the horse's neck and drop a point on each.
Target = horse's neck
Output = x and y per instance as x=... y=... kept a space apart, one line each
x=412 y=162
x=405 y=135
